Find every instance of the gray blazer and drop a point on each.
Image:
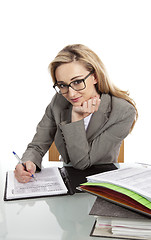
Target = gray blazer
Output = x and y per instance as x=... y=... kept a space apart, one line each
x=99 y=144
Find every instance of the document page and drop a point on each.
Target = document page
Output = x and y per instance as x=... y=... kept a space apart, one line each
x=48 y=182
x=135 y=179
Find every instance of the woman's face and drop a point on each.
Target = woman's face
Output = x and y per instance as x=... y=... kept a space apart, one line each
x=69 y=72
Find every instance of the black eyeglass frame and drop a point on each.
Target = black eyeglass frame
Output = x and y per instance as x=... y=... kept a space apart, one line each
x=69 y=85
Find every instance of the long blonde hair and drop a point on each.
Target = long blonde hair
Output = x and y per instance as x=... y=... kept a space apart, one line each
x=81 y=53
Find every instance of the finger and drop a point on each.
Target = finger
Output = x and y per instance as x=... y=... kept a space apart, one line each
x=30 y=167
x=20 y=170
x=22 y=178
x=94 y=104
x=85 y=107
x=91 y=107
x=98 y=103
x=19 y=167
x=21 y=174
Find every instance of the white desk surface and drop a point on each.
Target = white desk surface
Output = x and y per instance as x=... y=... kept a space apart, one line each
x=53 y=218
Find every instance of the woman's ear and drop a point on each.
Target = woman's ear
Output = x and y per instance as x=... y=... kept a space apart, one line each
x=95 y=79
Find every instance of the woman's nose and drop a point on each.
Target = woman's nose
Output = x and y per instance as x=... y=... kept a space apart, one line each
x=71 y=92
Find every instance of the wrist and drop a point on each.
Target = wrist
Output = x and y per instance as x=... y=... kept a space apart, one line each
x=78 y=117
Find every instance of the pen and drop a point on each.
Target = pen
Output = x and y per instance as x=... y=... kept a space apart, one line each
x=20 y=161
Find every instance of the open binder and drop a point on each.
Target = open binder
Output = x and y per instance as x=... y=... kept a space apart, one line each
x=51 y=181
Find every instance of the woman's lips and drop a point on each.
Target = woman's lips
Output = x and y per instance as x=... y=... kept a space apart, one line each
x=75 y=99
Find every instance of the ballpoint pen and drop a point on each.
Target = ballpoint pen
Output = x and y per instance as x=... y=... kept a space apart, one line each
x=20 y=161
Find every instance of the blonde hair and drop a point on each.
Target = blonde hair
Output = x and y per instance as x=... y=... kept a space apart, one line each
x=81 y=53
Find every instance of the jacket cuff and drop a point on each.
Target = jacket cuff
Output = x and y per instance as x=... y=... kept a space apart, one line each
x=34 y=156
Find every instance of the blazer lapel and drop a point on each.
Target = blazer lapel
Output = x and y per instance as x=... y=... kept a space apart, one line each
x=66 y=114
x=99 y=118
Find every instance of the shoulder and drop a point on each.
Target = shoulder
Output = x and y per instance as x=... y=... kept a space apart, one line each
x=121 y=104
x=121 y=108
x=120 y=116
x=116 y=108
x=114 y=104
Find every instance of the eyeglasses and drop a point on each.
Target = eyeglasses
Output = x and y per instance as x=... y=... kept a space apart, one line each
x=77 y=85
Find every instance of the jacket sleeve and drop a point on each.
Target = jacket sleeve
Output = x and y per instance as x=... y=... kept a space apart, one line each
x=43 y=138
x=104 y=147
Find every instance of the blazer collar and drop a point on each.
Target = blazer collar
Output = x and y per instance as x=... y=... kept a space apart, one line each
x=99 y=118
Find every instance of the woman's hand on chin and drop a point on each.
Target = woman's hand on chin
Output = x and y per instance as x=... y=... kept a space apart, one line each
x=87 y=107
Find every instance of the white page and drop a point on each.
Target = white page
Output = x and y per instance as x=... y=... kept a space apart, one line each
x=124 y=222
x=122 y=231
x=129 y=223
x=49 y=182
x=135 y=179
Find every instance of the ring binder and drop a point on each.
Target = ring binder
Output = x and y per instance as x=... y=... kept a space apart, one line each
x=66 y=180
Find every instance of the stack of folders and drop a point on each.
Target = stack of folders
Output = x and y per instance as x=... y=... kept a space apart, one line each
x=112 y=220
x=129 y=188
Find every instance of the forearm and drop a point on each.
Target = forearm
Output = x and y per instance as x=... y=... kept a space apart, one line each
x=76 y=143
x=103 y=147
x=83 y=154
x=42 y=140
x=31 y=154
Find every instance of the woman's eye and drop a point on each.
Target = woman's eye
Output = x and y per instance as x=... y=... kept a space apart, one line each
x=77 y=82
x=62 y=85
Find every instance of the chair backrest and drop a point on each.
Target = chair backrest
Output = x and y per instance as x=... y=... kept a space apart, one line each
x=54 y=154
x=121 y=153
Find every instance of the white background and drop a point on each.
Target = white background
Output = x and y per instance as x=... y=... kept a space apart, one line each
x=31 y=34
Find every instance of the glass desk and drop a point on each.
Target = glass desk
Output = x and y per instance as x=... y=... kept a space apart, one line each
x=53 y=218
x=60 y=218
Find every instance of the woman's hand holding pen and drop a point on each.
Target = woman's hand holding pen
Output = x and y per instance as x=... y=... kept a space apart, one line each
x=88 y=107
x=24 y=172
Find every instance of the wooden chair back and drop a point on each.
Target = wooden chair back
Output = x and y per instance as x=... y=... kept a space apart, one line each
x=54 y=154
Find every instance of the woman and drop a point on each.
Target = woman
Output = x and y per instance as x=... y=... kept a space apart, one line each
x=87 y=118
